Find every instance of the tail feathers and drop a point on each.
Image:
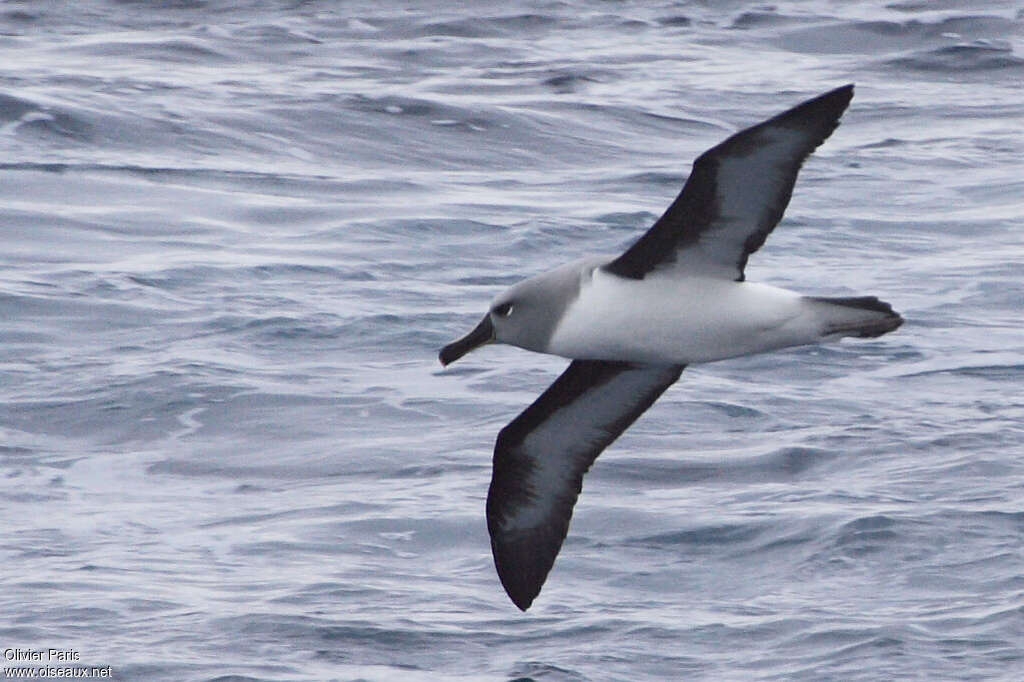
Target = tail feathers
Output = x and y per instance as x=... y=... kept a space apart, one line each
x=861 y=316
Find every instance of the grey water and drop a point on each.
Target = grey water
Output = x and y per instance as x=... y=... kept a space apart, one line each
x=233 y=236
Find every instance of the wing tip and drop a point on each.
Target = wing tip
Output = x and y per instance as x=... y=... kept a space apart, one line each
x=817 y=117
x=522 y=583
x=522 y=601
x=524 y=558
x=828 y=106
x=843 y=93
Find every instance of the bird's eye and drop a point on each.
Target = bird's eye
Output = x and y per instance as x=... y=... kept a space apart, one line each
x=503 y=310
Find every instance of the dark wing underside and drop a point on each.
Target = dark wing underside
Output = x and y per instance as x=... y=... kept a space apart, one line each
x=541 y=456
x=735 y=195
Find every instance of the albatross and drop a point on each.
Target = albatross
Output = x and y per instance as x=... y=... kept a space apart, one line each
x=631 y=323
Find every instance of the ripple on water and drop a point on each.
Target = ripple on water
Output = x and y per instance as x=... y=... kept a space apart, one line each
x=978 y=58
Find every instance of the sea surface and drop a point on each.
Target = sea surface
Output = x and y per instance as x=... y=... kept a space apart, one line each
x=233 y=236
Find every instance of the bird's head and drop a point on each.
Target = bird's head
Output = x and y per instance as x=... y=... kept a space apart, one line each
x=523 y=315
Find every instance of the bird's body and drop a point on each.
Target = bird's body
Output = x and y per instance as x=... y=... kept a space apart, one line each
x=631 y=323
x=670 y=319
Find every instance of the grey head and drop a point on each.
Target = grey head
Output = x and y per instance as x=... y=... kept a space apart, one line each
x=527 y=313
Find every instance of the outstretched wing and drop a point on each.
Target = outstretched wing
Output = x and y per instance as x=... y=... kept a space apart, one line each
x=735 y=195
x=541 y=456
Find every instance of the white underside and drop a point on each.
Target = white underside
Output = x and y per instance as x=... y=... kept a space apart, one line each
x=665 y=318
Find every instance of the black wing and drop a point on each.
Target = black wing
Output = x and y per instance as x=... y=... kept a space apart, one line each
x=735 y=195
x=541 y=456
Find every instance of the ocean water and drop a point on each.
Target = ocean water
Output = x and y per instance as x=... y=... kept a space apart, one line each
x=234 y=235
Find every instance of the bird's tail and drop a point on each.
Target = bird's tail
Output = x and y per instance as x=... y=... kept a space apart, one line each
x=860 y=316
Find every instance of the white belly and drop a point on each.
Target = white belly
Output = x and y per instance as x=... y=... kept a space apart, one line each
x=662 y=319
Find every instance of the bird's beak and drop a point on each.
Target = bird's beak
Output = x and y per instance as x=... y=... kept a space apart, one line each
x=481 y=335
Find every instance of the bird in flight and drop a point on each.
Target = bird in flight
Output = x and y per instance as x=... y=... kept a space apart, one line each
x=631 y=323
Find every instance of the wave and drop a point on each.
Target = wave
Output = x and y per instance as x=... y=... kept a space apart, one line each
x=949 y=61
